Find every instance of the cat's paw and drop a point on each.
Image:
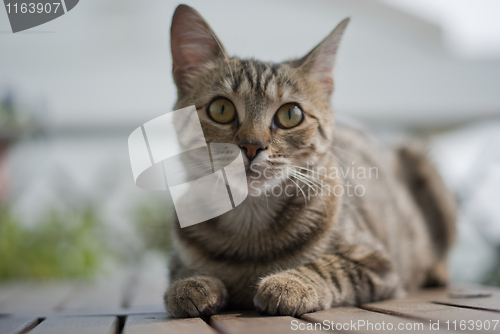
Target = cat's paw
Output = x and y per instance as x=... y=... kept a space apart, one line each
x=283 y=294
x=195 y=297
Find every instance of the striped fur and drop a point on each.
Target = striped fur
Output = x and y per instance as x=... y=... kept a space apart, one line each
x=292 y=254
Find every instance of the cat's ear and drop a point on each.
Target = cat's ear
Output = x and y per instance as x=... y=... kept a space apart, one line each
x=318 y=64
x=193 y=45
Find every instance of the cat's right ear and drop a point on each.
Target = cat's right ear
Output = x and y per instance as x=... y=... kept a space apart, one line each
x=193 y=45
x=318 y=63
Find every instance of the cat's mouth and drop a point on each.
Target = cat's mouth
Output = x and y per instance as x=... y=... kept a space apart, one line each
x=254 y=170
x=252 y=174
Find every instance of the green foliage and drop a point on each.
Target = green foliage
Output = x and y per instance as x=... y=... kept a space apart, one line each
x=62 y=244
x=153 y=222
x=12 y=119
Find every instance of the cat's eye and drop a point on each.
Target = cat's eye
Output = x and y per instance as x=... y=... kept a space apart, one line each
x=221 y=111
x=288 y=116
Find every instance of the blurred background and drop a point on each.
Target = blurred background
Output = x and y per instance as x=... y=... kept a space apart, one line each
x=73 y=89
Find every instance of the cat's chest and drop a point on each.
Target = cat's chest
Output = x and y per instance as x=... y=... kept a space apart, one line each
x=254 y=214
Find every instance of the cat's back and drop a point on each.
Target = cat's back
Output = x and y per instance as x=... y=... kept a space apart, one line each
x=400 y=199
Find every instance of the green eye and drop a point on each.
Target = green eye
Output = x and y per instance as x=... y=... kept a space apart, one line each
x=222 y=111
x=289 y=115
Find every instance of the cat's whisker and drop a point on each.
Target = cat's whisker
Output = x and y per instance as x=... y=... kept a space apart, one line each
x=303 y=179
x=303 y=193
x=309 y=170
x=306 y=182
x=315 y=189
x=312 y=177
x=318 y=183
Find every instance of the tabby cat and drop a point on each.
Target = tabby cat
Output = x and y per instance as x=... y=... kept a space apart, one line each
x=367 y=238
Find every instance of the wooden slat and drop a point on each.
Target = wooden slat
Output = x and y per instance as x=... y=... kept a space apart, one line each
x=12 y=325
x=41 y=298
x=428 y=295
x=160 y=323
x=150 y=286
x=7 y=289
x=429 y=311
x=476 y=298
x=356 y=320
x=251 y=323
x=76 y=325
x=149 y=293
x=102 y=297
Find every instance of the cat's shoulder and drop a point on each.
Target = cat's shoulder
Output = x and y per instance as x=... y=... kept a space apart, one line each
x=350 y=131
x=355 y=142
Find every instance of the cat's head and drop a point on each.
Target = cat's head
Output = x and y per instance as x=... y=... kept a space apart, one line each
x=279 y=114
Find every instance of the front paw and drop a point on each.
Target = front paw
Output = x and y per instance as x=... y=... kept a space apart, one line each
x=195 y=297
x=283 y=294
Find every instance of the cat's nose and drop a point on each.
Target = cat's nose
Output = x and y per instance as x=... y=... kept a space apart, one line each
x=253 y=148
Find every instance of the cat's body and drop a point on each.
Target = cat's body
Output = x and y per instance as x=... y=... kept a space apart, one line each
x=387 y=232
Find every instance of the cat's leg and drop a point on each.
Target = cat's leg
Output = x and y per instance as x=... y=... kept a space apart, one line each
x=193 y=294
x=333 y=280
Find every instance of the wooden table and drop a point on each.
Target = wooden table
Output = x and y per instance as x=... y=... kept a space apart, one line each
x=131 y=303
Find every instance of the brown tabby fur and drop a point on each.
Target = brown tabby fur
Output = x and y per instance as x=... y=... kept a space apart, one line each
x=288 y=255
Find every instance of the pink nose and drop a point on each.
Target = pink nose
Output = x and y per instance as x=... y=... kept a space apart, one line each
x=252 y=149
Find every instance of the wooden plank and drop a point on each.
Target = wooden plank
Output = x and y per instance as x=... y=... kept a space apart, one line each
x=428 y=294
x=76 y=325
x=356 y=320
x=161 y=323
x=482 y=298
x=479 y=297
x=150 y=286
x=104 y=296
x=7 y=289
x=251 y=323
x=12 y=325
x=435 y=313
x=41 y=298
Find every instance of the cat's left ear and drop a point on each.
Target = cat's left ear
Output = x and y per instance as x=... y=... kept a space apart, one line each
x=318 y=63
